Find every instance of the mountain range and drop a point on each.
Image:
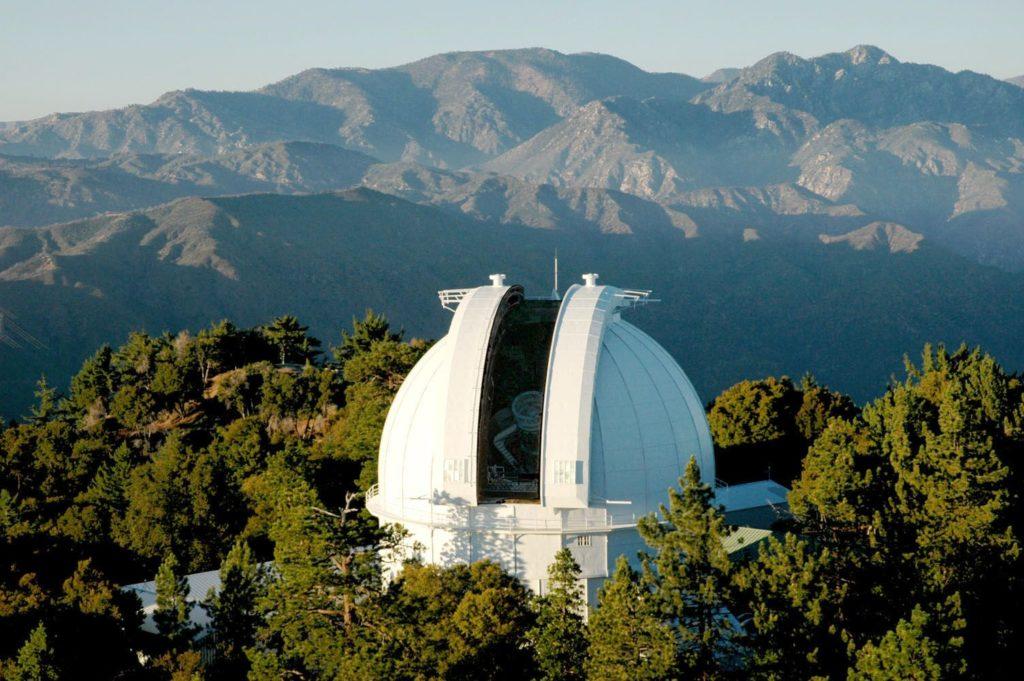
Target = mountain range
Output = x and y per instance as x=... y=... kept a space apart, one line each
x=846 y=307
x=794 y=198
x=448 y=110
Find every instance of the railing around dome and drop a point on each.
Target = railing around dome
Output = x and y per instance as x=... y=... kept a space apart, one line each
x=487 y=517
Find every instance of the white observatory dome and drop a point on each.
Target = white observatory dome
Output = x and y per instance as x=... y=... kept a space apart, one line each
x=536 y=424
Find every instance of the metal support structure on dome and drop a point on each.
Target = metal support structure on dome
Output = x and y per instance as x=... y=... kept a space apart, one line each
x=636 y=298
x=451 y=297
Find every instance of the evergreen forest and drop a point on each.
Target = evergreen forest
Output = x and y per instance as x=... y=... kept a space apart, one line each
x=249 y=451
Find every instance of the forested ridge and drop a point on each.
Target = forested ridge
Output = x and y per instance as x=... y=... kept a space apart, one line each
x=247 y=450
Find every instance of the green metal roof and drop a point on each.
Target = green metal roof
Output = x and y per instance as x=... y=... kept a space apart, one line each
x=744 y=539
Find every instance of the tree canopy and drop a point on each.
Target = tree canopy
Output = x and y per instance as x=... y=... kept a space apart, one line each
x=230 y=448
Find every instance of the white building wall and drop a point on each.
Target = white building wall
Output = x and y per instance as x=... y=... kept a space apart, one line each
x=528 y=555
x=590 y=551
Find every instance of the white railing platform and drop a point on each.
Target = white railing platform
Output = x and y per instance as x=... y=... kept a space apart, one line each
x=451 y=297
x=503 y=518
x=636 y=297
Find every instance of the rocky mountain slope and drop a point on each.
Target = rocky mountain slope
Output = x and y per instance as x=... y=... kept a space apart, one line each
x=785 y=140
x=447 y=110
x=509 y=200
x=869 y=85
x=721 y=75
x=35 y=191
x=733 y=306
x=794 y=214
x=654 y=148
x=908 y=143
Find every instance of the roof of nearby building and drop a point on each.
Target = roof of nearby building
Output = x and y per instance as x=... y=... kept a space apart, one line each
x=199 y=586
x=759 y=504
x=752 y=495
x=745 y=540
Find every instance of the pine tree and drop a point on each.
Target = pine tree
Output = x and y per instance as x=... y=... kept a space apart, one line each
x=35 y=659
x=290 y=338
x=371 y=328
x=819 y=405
x=690 y=574
x=325 y=594
x=941 y=428
x=158 y=518
x=754 y=412
x=948 y=432
x=845 y=485
x=792 y=596
x=217 y=348
x=173 y=609
x=93 y=385
x=844 y=503
x=463 y=622
x=754 y=428
x=627 y=639
x=109 y=486
x=87 y=591
x=46 y=406
x=916 y=500
x=374 y=376
x=914 y=649
x=559 y=637
x=487 y=631
x=233 y=610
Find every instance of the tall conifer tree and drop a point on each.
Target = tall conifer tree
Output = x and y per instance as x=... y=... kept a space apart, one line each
x=559 y=637
x=173 y=609
x=35 y=659
x=234 y=611
x=916 y=648
x=627 y=639
x=792 y=596
x=690 y=574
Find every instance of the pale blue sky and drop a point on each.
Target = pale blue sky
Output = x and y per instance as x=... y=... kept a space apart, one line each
x=63 y=55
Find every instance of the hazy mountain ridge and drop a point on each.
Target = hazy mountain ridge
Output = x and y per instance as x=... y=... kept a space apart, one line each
x=68 y=188
x=868 y=84
x=730 y=300
x=939 y=152
x=191 y=122
x=888 y=235
x=946 y=180
x=35 y=192
x=786 y=210
x=722 y=75
x=906 y=143
x=449 y=110
x=654 y=148
x=827 y=190
x=509 y=200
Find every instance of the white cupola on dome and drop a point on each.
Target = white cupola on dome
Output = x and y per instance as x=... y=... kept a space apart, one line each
x=536 y=424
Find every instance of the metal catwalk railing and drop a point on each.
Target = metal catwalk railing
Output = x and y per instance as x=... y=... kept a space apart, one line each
x=465 y=517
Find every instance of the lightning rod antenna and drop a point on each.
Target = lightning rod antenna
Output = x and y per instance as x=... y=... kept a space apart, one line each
x=554 y=291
